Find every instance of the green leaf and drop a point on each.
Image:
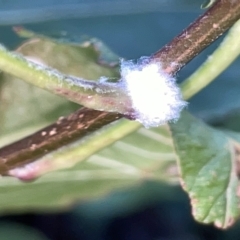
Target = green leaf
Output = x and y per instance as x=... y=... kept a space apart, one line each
x=208 y=161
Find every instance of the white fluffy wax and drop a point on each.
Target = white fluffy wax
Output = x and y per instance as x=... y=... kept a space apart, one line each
x=155 y=96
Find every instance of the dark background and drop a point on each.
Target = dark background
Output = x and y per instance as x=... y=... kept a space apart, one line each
x=131 y=28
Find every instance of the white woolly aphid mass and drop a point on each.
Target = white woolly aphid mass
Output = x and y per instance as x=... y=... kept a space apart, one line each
x=155 y=96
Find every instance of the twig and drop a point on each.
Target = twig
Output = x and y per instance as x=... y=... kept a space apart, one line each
x=200 y=34
x=60 y=133
x=222 y=57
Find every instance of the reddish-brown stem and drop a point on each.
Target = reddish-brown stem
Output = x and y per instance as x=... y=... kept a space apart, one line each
x=200 y=34
x=60 y=133
x=173 y=56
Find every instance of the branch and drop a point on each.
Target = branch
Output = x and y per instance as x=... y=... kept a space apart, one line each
x=173 y=56
x=65 y=130
x=200 y=34
x=215 y=64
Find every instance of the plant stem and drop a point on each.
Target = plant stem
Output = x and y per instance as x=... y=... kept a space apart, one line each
x=200 y=34
x=60 y=133
x=91 y=94
x=225 y=54
x=221 y=16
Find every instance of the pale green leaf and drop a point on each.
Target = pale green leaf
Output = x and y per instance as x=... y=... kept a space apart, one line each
x=208 y=161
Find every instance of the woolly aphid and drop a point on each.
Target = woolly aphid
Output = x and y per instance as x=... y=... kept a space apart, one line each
x=155 y=96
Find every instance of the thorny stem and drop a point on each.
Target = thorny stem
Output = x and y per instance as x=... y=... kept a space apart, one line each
x=221 y=16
